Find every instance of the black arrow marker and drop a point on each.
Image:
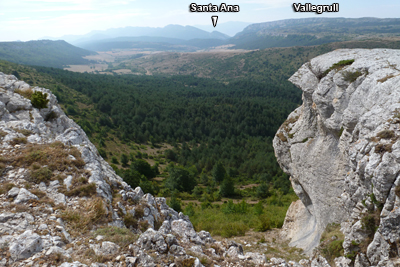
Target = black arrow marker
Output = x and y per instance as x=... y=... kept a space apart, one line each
x=214 y=20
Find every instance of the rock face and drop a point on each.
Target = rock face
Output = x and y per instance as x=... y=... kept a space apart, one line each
x=50 y=207
x=341 y=149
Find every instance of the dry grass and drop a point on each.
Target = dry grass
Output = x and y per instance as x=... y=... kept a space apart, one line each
x=386 y=134
x=397 y=191
x=130 y=221
x=282 y=137
x=89 y=213
x=24 y=131
x=18 y=140
x=386 y=78
x=188 y=262
x=120 y=236
x=5 y=187
x=81 y=188
x=25 y=93
x=381 y=148
x=40 y=174
x=54 y=155
x=38 y=193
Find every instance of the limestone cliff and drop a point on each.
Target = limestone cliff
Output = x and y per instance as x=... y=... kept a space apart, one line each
x=341 y=148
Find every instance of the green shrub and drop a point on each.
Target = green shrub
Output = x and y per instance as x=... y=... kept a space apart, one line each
x=341 y=131
x=264 y=224
x=351 y=76
x=39 y=100
x=189 y=210
x=102 y=153
x=262 y=191
x=233 y=229
x=258 y=208
x=370 y=223
x=227 y=188
x=114 y=160
x=52 y=115
x=175 y=203
x=147 y=186
x=331 y=245
x=130 y=221
x=336 y=66
x=333 y=250
x=39 y=175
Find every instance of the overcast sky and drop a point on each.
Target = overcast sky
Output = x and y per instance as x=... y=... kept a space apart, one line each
x=30 y=20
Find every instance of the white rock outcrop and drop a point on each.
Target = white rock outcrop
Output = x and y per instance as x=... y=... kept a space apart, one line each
x=341 y=148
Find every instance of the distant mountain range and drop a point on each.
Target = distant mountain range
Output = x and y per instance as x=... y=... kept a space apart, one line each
x=169 y=31
x=282 y=33
x=230 y=28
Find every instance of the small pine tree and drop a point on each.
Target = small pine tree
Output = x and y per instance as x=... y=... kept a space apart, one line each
x=175 y=203
x=227 y=187
x=114 y=160
x=219 y=172
x=39 y=100
x=124 y=160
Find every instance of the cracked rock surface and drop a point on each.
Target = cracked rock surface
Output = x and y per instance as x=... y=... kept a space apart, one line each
x=341 y=148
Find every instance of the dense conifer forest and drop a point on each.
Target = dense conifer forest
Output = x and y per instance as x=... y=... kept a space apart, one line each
x=205 y=121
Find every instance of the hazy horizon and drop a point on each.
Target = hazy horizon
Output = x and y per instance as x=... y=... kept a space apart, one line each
x=31 y=20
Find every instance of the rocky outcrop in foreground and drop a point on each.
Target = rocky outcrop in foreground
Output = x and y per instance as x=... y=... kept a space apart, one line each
x=342 y=151
x=61 y=204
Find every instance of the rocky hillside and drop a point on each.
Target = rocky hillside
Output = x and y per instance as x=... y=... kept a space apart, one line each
x=61 y=204
x=342 y=151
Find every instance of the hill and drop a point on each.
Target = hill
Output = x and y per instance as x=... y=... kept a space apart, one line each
x=43 y=53
x=313 y=31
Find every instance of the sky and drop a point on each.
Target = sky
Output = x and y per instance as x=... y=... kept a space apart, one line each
x=34 y=19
